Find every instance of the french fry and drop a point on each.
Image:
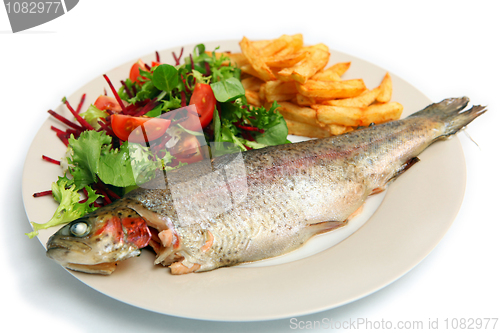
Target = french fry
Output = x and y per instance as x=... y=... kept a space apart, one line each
x=262 y=93
x=295 y=45
x=279 y=91
x=279 y=97
x=299 y=114
x=339 y=115
x=304 y=101
x=339 y=68
x=253 y=97
x=260 y=44
x=238 y=58
x=366 y=98
x=332 y=89
x=332 y=73
x=381 y=113
x=252 y=83
x=275 y=46
x=248 y=69
x=286 y=60
x=326 y=76
x=256 y=61
x=316 y=59
x=339 y=129
x=352 y=116
x=302 y=129
x=385 y=89
x=314 y=100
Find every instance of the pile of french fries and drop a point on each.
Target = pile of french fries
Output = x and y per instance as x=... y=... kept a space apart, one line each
x=314 y=99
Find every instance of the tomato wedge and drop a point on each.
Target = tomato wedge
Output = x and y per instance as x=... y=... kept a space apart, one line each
x=187 y=150
x=107 y=103
x=138 y=129
x=134 y=71
x=204 y=99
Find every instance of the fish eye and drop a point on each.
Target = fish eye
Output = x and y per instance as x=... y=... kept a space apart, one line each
x=79 y=229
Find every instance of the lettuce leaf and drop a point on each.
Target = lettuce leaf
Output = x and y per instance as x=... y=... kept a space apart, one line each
x=93 y=159
x=228 y=90
x=275 y=135
x=85 y=156
x=92 y=116
x=65 y=192
x=114 y=166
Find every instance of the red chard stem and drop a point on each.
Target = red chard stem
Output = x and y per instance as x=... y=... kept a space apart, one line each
x=114 y=92
x=63 y=138
x=57 y=130
x=183 y=99
x=51 y=160
x=207 y=69
x=148 y=107
x=178 y=60
x=82 y=121
x=129 y=94
x=65 y=121
x=41 y=194
x=192 y=62
x=249 y=128
x=82 y=100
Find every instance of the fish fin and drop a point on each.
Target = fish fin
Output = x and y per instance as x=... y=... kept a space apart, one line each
x=405 y=166
x=356 y=212
x=321 y=227
x=443 y=109
x=378 y=190
x=450 y=113
x=178 y=268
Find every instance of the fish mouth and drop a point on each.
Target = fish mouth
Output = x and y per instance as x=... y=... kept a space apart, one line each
x=63 y=250
x=55 y=245
x=68 y=244
x=105 y=268
x=61 y=254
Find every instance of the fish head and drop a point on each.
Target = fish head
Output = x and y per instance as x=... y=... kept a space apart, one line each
x=96 y=242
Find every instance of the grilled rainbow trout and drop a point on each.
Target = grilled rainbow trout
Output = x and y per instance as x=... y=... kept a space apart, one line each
x=256 y=204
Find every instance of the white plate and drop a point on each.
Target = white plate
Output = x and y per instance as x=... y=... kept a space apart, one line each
x=415 y=213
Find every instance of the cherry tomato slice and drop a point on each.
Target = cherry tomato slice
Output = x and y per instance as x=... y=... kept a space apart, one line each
x=107 y=103
x=187 y=150
x=134 y=71
x=138 y=129
x=204 y=100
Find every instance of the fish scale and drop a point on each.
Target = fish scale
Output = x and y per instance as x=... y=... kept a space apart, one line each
x=223 y=213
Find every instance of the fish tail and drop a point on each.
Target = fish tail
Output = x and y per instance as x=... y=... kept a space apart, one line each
x=449 y=112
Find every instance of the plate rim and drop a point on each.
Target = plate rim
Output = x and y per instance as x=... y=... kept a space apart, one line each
x=301 y=312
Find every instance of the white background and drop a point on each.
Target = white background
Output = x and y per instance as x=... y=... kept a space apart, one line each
x=443 y=48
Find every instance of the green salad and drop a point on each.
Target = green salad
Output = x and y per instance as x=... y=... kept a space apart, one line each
x=162 y=117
